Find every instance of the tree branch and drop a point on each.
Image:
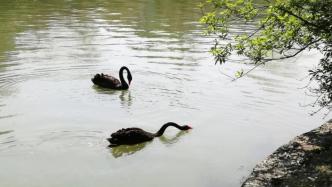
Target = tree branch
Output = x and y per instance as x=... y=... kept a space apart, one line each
x=296 y=53
x=300 y=18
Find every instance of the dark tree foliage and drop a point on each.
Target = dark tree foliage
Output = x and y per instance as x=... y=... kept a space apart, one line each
x=284 y=27
x=323 y=75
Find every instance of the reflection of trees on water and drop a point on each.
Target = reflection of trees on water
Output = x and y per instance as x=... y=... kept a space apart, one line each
x=170 y=16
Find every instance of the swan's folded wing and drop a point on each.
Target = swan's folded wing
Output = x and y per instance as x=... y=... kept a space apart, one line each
x=112 y=79
x=139 y=136
x=106 y=81
x=131 y=136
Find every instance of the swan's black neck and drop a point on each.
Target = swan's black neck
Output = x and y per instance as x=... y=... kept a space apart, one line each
x=124 y=84
x=163 y=128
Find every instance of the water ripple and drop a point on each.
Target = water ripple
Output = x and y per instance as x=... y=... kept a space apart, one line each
x=7 y=140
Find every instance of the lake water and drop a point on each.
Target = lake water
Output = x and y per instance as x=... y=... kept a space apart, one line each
x=54 y=122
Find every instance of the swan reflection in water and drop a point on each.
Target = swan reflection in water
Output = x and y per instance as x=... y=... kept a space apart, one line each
x=174 y=139
x=124 y=150
x=124 y=95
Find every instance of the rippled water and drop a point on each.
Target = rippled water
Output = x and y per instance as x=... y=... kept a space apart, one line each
x=54 y=122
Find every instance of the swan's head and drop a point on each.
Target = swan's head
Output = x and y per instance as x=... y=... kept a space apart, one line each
x=129 y=77
x=186 y=127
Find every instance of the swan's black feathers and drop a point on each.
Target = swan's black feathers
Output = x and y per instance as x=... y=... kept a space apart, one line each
x=108 y=81
x=123 y=131
x=130 y=136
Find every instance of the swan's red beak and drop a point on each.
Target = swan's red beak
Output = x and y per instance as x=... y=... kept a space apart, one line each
x=189 y=126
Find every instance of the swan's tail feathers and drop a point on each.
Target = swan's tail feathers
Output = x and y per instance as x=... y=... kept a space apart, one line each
x=96 y=78
x=113 y=145
x=113 y=142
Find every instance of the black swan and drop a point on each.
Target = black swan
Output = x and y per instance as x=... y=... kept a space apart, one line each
x=135 y=135
x=108 y=81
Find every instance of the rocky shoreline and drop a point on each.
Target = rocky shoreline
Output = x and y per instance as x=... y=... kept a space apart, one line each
x=304 y=161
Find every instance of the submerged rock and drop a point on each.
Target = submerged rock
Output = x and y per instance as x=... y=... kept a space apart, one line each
x=304 y=161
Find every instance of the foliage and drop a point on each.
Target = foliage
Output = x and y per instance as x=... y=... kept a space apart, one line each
x=285 y=28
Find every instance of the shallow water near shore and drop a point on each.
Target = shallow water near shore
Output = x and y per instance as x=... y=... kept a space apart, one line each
x=54 y=122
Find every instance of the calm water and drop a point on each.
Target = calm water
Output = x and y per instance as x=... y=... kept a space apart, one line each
x=54 y=122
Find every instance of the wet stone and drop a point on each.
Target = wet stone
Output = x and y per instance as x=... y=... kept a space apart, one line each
x=296 y=163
